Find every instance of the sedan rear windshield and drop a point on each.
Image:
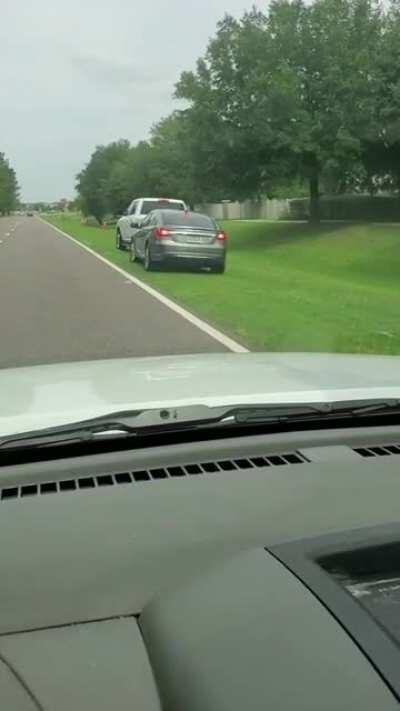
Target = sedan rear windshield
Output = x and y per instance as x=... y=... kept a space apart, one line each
x=149 y=205
x=188 y=219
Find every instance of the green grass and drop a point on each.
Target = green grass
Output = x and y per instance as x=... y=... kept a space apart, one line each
x=287 y=286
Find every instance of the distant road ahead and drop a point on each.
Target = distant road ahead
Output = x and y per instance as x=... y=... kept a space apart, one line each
x=59 y=303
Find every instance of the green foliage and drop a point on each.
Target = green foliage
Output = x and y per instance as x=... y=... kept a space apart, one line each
x=93 y=180
x=381 y=144
x=119 y=172
x=230 y=132
x=296 y=188
x=9 y=189
x=172 y=171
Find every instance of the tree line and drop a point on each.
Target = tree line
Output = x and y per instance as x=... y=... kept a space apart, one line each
x=9 y=189
x=304 y=94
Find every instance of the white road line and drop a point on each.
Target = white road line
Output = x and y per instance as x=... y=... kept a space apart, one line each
x=194 y=320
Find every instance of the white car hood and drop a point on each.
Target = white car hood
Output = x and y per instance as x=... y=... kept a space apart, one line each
x=49 y=395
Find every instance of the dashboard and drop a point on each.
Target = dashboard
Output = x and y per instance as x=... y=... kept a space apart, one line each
x=204 y=575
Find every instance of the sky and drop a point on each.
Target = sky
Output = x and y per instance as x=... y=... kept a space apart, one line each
x=78 y=73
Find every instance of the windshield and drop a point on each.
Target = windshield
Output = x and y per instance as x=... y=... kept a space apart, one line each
x=270 y=131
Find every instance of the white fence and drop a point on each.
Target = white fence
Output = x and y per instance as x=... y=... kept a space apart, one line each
x=248 y=210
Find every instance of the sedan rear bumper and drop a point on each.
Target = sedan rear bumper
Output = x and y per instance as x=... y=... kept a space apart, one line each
x=171 y=252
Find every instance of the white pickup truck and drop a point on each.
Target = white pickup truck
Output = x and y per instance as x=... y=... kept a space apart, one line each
x=129 y=223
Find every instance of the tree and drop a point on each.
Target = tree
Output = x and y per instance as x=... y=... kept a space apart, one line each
x=92 y=181
x=118 y=172
x=229 y=149
x=171 y=169
x=381 y=139
x=284 y=93
x=130 y=177
x=9 y=189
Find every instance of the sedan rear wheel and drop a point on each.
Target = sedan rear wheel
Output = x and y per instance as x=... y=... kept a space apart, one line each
x=132 y=252
x=118 y=240
x=148 y=262
x=219 y=268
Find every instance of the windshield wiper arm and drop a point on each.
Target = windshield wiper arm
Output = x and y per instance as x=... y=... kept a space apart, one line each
x=113 y=425
x=152 y=421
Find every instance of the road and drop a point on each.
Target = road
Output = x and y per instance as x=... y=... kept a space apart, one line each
x=59 y=303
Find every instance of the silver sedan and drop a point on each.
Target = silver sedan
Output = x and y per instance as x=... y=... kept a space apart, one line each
x=169 y=236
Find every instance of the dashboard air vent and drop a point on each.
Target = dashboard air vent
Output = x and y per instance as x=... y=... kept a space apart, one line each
x=382 y=450
x=73 y=484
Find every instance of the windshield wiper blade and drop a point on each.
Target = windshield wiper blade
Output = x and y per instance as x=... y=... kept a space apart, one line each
x=319 y=411
x=53 y=439
x=152 y=421
x=356 y=408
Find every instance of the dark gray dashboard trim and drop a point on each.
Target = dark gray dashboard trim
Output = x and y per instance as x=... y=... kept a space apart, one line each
x=301 y=558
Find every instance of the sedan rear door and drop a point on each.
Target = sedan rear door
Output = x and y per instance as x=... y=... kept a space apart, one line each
x=142 y=235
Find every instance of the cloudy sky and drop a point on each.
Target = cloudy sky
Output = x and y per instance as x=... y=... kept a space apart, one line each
x=76 y=73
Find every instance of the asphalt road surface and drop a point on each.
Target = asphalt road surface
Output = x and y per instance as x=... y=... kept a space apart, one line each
x=59 y=303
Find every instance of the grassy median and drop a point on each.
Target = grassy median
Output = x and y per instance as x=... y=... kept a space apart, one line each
x=287 y=286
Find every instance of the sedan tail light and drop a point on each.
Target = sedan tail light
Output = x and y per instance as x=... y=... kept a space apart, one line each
x=222 y=236
x=161 y=232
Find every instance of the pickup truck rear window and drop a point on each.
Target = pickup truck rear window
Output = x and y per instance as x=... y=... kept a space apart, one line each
x=150 y=205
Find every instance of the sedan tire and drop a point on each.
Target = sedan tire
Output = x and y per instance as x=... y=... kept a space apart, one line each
x=218 y=268
x=148 y=262
x=132 y=252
